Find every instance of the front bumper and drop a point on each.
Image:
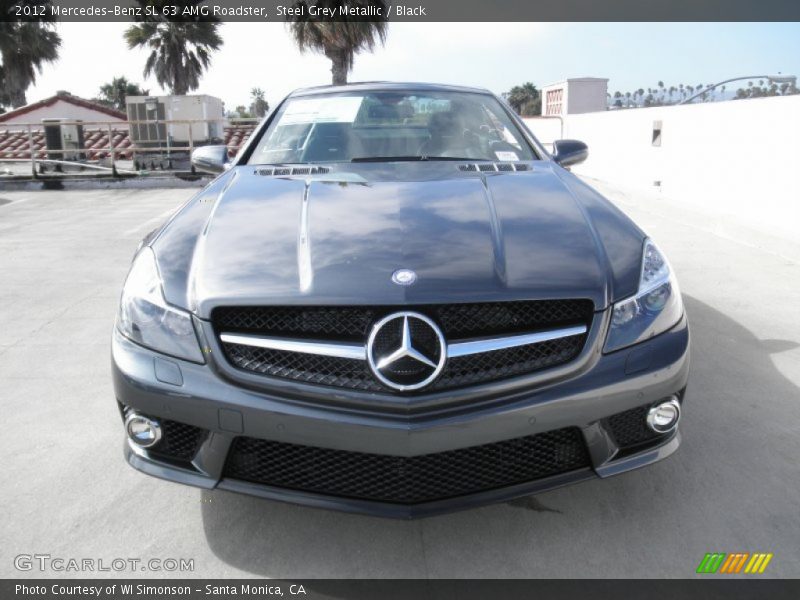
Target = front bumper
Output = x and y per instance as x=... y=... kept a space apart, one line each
x=197 y=395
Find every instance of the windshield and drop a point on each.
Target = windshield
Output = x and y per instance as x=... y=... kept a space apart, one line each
x=385 y=126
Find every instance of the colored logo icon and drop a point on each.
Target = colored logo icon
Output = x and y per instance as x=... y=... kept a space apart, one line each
x=734 y=563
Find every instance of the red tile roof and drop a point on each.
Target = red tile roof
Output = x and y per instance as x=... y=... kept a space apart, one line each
x=65 y=97
x=15 y=144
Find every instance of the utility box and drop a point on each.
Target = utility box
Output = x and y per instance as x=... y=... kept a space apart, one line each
x=66 y=135
x=574 y=96
x=153 y=111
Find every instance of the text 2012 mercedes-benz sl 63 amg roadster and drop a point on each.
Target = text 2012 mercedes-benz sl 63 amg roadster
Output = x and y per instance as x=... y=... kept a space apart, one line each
x=393 y=300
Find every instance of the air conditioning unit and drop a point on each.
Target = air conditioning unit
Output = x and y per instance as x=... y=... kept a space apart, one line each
x=150 y=118
x=66 y=135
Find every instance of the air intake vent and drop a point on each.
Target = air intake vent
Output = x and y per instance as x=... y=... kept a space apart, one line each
x=407 y=480
x=284 y=171
x=494 y=167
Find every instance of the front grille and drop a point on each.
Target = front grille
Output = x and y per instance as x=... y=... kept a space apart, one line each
x=352 y=324
x=407 y=480
x=179 y=441
x=630 y=429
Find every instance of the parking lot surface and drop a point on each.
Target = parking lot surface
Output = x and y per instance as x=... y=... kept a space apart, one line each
x=732 y=487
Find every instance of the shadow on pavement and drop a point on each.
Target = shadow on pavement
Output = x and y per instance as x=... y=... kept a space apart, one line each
x=739 y=451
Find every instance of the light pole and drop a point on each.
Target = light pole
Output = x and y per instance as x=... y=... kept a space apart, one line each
x=771 y=78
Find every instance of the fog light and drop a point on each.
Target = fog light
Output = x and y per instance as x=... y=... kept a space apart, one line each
x=664 y=416
x=142 y=431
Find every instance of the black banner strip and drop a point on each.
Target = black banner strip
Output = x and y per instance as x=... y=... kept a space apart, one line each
x=410 y=11
x=710 y=588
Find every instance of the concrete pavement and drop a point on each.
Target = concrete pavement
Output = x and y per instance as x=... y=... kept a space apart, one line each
x=66 y=491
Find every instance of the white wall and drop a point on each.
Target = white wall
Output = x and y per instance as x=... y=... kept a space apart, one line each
x=58 y=110
x=738 y=159
x=546 y=129
x=586 y=95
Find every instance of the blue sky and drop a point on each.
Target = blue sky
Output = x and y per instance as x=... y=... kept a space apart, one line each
x=491 y=55
x=638 y=55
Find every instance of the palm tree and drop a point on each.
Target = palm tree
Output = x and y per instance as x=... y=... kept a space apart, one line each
x=115 y=92
x=24 y=48
x=342 y=39
x=525 y=99
x=260 y=105
x=179 y=51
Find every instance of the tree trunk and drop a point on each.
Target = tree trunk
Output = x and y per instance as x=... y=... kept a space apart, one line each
x=17 y=98
x=339 y=67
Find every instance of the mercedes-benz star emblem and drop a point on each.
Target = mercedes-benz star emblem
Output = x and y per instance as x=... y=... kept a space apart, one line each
x=406 y=351
x=404 y=277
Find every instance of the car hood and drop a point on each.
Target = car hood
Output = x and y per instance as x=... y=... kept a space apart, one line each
x=337 y=239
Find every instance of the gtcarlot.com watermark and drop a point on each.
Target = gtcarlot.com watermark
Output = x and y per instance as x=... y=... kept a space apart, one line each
x=61 y=564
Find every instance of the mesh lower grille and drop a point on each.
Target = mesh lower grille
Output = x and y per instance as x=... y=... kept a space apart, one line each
x=629 y=428
x=351 y=324
x=179 y=441
x=407 y=480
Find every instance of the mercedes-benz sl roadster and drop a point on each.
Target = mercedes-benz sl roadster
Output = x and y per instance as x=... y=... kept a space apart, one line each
x=394 y=300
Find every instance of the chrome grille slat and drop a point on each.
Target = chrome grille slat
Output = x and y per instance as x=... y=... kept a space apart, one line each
x=351 y=351
x=358 y=352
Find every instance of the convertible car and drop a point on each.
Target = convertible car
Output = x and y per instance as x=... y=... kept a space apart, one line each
x=394 y=300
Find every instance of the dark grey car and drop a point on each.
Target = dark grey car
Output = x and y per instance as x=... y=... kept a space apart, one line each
x=395 y=301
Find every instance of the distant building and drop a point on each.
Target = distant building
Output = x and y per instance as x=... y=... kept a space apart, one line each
x=91 y=141
x=574 y=96
x=61 y=106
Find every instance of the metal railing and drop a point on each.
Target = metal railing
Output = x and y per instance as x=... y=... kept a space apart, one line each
x=114 y=152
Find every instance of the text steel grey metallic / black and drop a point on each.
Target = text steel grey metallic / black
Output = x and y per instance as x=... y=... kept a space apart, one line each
x=394 y=301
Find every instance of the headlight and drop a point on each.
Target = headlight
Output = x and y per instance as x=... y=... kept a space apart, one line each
x=655 y=308
x=146 y=318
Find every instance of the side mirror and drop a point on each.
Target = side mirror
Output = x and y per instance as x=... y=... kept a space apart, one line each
x=570 y=152
x=210 y=159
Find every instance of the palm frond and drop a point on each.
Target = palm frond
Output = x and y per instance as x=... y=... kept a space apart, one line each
x=342 y=39
x=181 y=51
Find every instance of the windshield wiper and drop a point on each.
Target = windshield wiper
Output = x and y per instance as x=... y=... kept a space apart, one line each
x=456 y=158
x=409 y=158
x=387 y=158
